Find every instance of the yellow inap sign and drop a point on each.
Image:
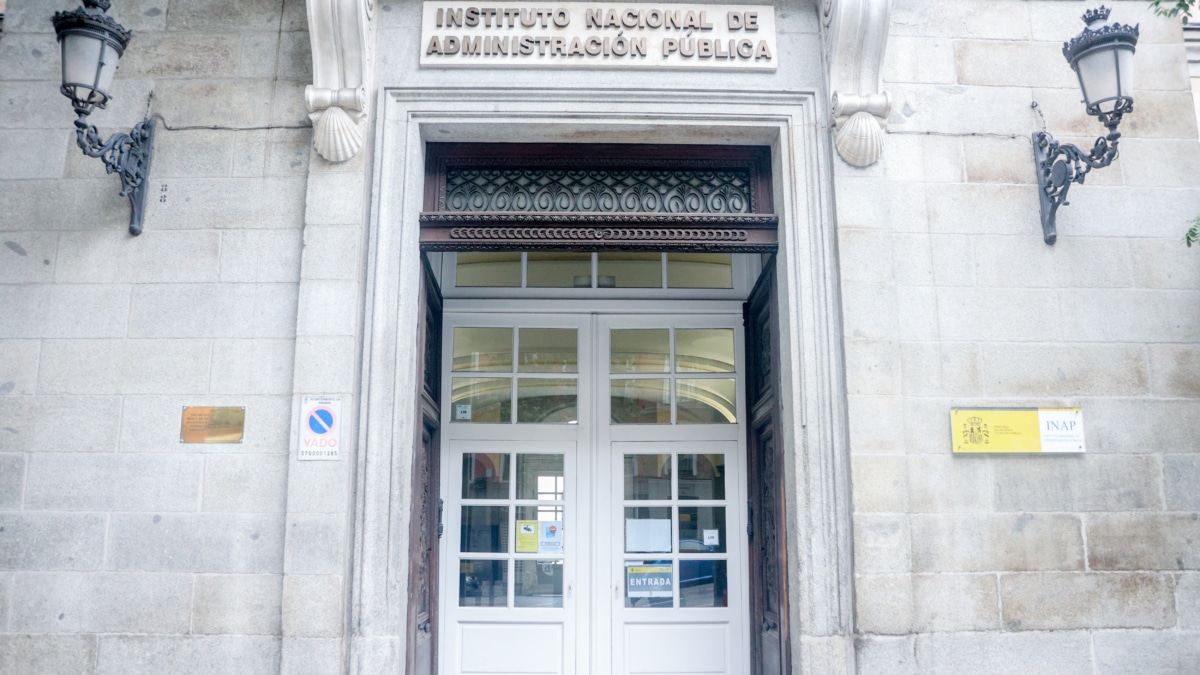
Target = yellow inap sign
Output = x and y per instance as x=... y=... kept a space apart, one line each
x=1046 y=430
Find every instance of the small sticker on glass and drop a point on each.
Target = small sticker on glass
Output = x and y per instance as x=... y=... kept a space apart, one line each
x=462 y=411
x=712 y=537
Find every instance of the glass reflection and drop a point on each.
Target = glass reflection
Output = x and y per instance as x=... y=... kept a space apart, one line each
x=699 y=270
x=485 y=475
x=483 y=350
x=483 y=583
x=702 y=529
x=484 y=529
x=548 y=350
x=488 y=270
x=703 y=583
x=629 y=269
x=559 y=269
x=647 y=477
x=547 y=401
x=540 y=477
x=481 y=399
x=539 y=583
x=710 y=401
x=637 y=350
x=702 y=476
x=542 y=513
x=640 y=402
x=704 y=350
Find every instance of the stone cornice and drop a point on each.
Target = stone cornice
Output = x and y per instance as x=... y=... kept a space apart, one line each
x=855 y=37
x=342 y=36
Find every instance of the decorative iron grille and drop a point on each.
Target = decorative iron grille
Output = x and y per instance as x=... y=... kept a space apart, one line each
x=472 y=190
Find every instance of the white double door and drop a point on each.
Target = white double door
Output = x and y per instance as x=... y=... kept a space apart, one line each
x=594 y=515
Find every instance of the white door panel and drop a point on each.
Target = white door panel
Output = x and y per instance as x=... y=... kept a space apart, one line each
x=679 y=649
x=511 y=649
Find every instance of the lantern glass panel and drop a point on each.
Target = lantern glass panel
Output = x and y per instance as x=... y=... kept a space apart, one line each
x=88 y=63
x=1098 y=78
x=1125 y=65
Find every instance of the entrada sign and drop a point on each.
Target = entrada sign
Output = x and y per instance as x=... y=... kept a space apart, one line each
x=597 y=35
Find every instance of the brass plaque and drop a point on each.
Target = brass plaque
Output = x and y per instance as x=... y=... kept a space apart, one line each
x=211 y=424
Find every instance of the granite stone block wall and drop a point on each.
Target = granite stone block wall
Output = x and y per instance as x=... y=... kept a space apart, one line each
x=1022 y=564
x=123 y=550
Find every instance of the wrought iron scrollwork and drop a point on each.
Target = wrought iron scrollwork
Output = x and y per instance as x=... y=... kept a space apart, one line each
x=128 y=156
x=1060 y=165
x=508 y=190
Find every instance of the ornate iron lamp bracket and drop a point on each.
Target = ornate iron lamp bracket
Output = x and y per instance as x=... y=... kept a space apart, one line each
x=128 y=156
x=1060 y=165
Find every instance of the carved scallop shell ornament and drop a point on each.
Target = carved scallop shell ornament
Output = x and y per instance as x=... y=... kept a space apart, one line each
x=336 y=135
x=860 y=139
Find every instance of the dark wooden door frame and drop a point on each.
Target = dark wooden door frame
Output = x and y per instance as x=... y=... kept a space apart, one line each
x=425 y=526
x=770 y=646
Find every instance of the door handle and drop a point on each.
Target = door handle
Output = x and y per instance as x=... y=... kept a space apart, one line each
x=769 y=625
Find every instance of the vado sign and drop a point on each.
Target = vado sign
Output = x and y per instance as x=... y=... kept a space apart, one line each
x=597 y=35
x=320 y=428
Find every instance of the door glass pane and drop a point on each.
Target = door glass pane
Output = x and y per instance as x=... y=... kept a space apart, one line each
x=640 y=350
x=485 y=529
x=648 y=529
x=703 y=583
x=702 y=529
x=548 y=350
x=559 y=269
x=481 y=399
x=706 y=350
x=539 y=583
x=483 y=583
x=540 y=477
x=629 y=269
x=547 y=401
x=492 y=270
x=485 y=476
x=702 y=476
x=483 y=350
x=647 y=477
x=699 y=270
x=541 y=513
x=641 y=402
x=649 y=583
x=707 y=401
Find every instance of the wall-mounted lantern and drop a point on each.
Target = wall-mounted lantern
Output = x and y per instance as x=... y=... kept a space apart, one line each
x=92 y=44
x=1102 y=57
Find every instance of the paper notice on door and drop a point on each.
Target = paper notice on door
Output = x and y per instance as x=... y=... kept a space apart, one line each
x=550 y=537
x=712 y=537
x=527 y=536
x=647 y=536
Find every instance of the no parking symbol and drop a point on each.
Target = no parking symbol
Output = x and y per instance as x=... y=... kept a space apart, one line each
x=320 y=428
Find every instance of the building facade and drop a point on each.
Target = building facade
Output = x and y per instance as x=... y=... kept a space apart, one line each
x=707 y=316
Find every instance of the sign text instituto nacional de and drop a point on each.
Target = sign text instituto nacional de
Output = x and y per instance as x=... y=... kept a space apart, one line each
x=598 y=35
